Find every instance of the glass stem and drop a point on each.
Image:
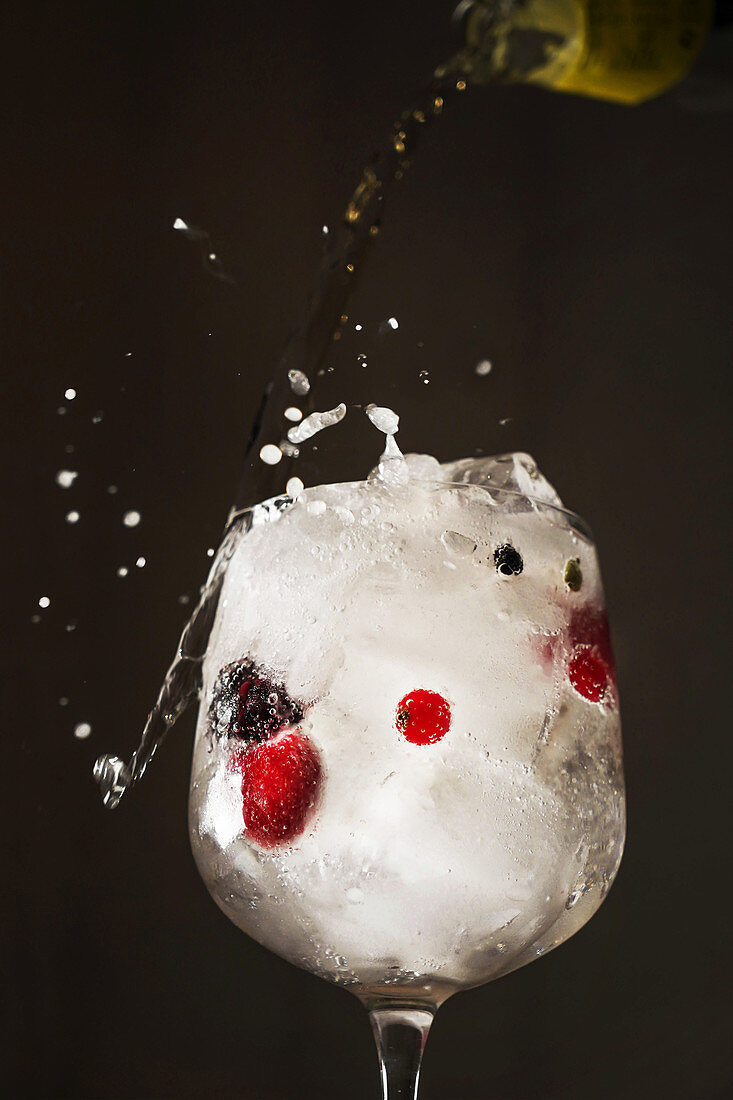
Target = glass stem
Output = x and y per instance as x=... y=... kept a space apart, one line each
x=400 y=1032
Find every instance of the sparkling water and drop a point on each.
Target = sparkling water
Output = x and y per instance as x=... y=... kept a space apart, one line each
x=411 y=676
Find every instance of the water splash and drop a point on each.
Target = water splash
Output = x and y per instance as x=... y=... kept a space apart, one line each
x=182 y=681
x=303 y=358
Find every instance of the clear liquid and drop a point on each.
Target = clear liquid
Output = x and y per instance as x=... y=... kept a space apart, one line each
x=304 y=353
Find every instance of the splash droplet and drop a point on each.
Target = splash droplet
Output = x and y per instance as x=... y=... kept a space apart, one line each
x=316 y=422
x=122 y=571
x=270 y=454
x=294 y=487
x=482 y=368
x=70 y=394
x=63 y=701
x=111 y=489
x=293 y=414
x=131 y=519
x=44 y=601
x=384 y=419
x=66 y=478
x=82 y=730
x=73 y=516
x=299 y=383
x=140 y=563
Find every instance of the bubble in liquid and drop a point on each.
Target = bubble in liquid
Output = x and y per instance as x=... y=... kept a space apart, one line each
x=270 y=454
x=70 y=394
x=82 y=730
x=482 y=368
x=73 y=516
x=131 y=518
x=66 y=478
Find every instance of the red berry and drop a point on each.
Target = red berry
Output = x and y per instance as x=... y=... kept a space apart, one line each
x=423 y=717
x=589 y=627
x=588 y=673
x=280 y=782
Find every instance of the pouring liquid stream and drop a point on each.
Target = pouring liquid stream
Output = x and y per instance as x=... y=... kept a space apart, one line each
x=304 y=354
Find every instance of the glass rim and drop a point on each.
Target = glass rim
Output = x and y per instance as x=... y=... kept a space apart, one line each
x=576 y=520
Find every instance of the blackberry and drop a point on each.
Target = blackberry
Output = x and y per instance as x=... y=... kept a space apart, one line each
x=507 y=560
x=249 y=704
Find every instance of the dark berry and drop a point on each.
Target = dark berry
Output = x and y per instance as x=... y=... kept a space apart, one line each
x=423 y=717
x=508 y=561
x=249 y=704
x=280 y=784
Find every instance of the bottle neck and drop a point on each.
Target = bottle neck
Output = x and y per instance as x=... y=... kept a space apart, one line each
x=624 y=51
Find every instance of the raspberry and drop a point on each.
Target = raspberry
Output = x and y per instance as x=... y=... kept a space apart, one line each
x=588 y=673
x=591 y=669
x=589 y=626
x=280 y=783
x=249 y=704
x=423 y=717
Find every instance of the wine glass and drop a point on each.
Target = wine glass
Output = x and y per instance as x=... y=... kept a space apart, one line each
x=407 y=771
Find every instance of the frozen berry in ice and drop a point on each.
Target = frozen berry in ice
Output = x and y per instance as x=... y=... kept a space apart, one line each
x=250 y=704
x=280 y=783
x=588 y=673
x=591 y=669
x=423 y=717
x=508 y=561
x=589 y=626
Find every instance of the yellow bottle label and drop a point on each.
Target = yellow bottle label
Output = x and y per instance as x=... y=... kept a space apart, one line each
x=632 y=50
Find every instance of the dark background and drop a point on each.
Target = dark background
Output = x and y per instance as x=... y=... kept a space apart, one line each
x=589 y=244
